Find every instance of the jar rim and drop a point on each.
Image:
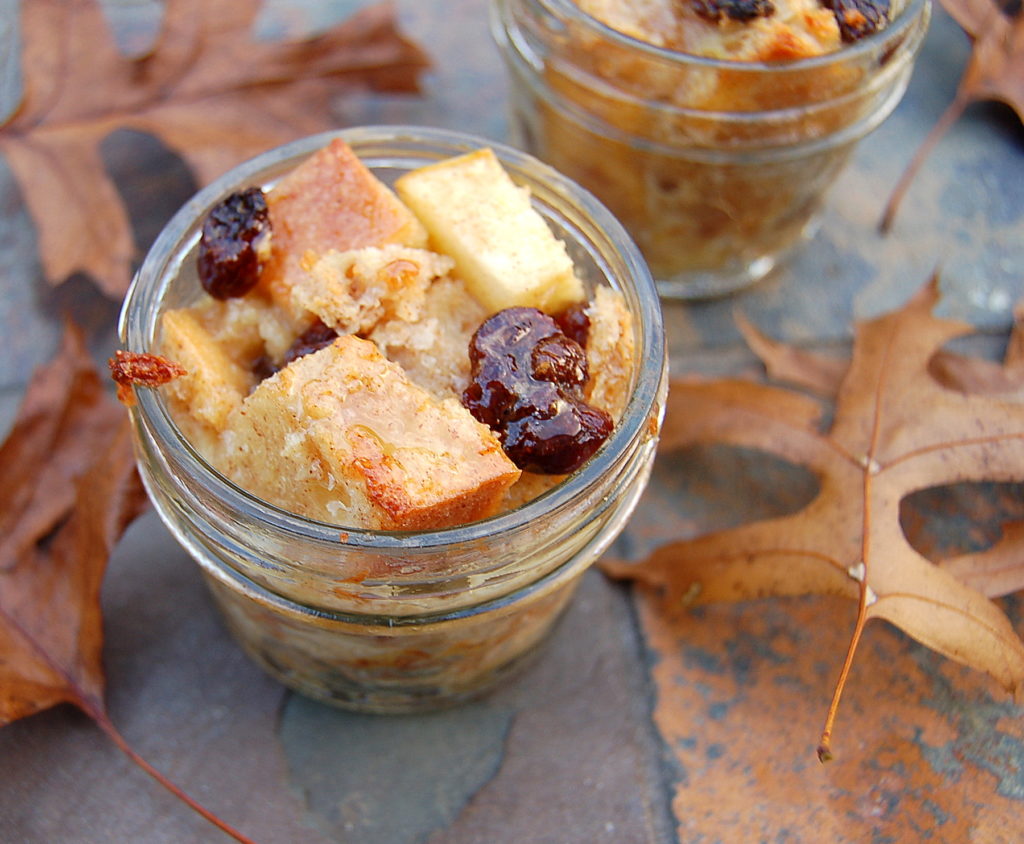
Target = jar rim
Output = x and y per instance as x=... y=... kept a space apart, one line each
x=568 y=9
x=142 y=302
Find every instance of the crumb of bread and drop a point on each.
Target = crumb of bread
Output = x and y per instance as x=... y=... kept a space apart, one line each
x=352 y=291
x=433 y=349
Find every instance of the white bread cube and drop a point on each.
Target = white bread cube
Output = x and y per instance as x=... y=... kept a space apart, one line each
x=503 y=249
x=342 y=436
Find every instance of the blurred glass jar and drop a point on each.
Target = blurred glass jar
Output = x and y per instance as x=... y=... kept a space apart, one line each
x=717 y=168
x=388 y=621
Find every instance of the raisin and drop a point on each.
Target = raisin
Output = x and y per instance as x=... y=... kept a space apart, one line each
x=575 y=323
x=737 y=10
x=858 y=18
x=527 y=380
x=263 y=367
x=230 y=247
x=311 y=340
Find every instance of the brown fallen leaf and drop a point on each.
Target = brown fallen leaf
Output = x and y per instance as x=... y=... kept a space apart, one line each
x=882 y=446
x=208 y=89
x=995 y=71
x=823 y=374
x=68 y=490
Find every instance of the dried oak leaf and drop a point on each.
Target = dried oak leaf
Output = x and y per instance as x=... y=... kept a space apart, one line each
x=823 y=374
x=998 y=570
x=995 y=71
x=68 y=489
x=895 y=430
x=208 y=89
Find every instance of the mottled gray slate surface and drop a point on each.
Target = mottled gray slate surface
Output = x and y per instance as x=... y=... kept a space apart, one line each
x=568 y=754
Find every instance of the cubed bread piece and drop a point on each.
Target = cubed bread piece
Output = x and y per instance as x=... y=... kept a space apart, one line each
x=433 y=349
x=503 y=248
x=610 y=352
x=342 y=436
x=215 y=384
x=330 y=201
x=352 y=291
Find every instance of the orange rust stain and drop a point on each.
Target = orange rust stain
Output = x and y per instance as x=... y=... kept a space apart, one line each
x=924 y=747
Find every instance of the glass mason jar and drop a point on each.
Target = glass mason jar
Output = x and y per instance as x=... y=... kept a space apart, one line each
x=389 y=621
x=717 y=168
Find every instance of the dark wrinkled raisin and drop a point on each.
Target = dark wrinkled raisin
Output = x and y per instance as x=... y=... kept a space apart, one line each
x=575 y=323
x=559 y=359
x=737 y=10
x=311 y=340
x=527 y=380
x=263 y=367
x=858 y=18
x=229 y=250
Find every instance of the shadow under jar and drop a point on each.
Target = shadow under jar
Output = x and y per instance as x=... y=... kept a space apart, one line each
x=391 y=621
x=718 y=168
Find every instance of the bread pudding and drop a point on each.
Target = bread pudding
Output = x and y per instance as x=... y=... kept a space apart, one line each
x=711 y=128
x=328 y=360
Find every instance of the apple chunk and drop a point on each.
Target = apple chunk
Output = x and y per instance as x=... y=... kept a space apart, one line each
x=502 y=247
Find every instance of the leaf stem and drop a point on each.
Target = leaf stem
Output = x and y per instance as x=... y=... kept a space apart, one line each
x=101 y=718
x=950 y=116
x=825 y=744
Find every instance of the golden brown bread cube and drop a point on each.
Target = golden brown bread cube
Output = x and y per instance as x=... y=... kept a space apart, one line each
x=330 y=201
x=610 y=352
x=343 y=436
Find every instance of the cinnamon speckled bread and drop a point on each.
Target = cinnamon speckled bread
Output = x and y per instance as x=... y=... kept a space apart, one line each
x=353 y=291
x=343 y=436
x=330 y=201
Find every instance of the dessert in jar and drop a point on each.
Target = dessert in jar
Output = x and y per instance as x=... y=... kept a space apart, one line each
x=424 y=382
x=711 y=128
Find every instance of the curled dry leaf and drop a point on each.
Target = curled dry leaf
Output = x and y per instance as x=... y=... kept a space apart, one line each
x=211 y=91
x=823 y=375
x=68 y=490
x=848 y=540
x=818 y=373
x=995 y=71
